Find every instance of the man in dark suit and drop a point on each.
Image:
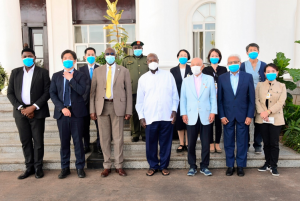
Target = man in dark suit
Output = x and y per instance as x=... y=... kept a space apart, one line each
x=28 y=92
x=236 y=102
x=88 y=70
x=66 y=92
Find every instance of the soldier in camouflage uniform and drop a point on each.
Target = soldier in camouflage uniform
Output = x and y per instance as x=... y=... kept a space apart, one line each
x=137 y=66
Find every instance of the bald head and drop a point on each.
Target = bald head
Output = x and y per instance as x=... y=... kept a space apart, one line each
x=196 y=62
x=152 y=58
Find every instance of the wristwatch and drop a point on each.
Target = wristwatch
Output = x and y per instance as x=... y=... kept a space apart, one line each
x=21 y=108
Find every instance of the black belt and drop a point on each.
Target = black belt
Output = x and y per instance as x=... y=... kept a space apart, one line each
x=109 y=100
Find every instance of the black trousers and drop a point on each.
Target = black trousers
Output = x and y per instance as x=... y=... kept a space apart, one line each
x=31 y=132
x=136 y=129
x=86 y=132
x=218 y=131
x=192 y=132
x=71 y=126
x=270 y=136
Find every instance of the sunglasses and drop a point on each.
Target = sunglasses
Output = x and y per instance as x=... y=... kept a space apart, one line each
x=107 y=54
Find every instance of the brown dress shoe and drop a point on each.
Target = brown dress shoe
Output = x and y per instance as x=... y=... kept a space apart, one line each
x=105 y=172
x=121 y=172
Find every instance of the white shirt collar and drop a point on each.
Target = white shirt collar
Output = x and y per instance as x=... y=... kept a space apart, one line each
x=30 y=70
x=89 y=67
x=112 y=66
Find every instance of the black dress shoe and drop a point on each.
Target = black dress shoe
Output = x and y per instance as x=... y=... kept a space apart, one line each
x=230 y=171
x=39 y=173
x=240 y=172
x=64 y=173
x=135 y=139
x=81 y=173
x=87 y=150
x=144 y=139
x=100 y=151
x=26 y=173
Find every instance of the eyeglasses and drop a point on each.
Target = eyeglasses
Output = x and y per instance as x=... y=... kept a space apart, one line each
x=233 y=62
x=107 y=54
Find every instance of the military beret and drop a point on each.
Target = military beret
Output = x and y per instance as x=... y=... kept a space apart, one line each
x=137 y=43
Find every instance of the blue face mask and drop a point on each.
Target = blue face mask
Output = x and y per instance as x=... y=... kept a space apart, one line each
x=68 y=63
x=183 y=60
x=28 y=62
x=253 y=55
x=91 y=59
x=138 y=52
x=110 y=59
x=271 y=76
x=234 y=67
x=214 y=60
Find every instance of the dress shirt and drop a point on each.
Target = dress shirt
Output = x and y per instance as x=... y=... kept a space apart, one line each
x=113 y=69
x=198 y=82
x=89 y=68
x=26 y=87
x=254 y=73
x=182 y=71
x=157 y=96
x=65 y=85
x=234 y=79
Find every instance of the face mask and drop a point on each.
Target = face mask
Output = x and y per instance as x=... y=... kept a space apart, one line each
x=234 y=67
x=196 y=70
x=271 y=76
x=110 y=59
x=91 y=59
x=253 y=55
x=28 y=62
x=214 y=60
x=183 y=60
x=138 y=52
x=153 y=66
x=68 y=63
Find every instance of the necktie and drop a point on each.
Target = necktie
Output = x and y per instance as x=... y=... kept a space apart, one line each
x=108 y=83
x=91 y=72
x=67 y=94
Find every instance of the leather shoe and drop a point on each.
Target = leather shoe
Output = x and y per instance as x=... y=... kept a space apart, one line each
x=240 y=172
x=87 y=150
x=230 y=171
x=100 y=151
x=121 y=172
x=105 y=172
x=39 y=173
x=64 y=173
x=26 y=173
x=81 y=173
x=135 y=139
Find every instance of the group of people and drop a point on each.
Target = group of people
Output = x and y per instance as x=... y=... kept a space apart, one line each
x=189 y=98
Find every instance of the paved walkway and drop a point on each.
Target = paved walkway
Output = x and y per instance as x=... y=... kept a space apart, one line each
x=137 y=186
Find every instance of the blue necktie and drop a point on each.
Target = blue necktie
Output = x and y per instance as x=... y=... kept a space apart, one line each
x=91 y=72
x=67 y=94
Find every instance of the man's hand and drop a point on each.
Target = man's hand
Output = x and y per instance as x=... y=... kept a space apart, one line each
x=31 y=115
x=185 y=119
x=211 y=118
x=66 y=112
x=93 y=116
x=28 y=110
x=68 y=75
x=264 y=115
x=224 y=121
x=127 y=116
x=248 y=121
x=173 y=116
x=143 y=123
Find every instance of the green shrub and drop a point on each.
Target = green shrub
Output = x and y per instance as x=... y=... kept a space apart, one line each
x=3 y=77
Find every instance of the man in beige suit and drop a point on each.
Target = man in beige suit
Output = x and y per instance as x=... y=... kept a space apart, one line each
x=111 y=103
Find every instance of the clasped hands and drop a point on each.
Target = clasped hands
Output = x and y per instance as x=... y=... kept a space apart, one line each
x=29 y=111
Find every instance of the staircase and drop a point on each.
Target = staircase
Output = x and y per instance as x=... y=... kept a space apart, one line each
x=11 y=156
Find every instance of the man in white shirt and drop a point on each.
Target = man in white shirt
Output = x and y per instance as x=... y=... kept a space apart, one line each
x=156 y=105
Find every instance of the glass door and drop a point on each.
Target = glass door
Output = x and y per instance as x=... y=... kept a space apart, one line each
x=37 y=45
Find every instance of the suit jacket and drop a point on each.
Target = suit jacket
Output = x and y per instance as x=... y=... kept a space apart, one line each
x=122 y=91
x=194 y=106
x=86 y=96
x=77 y=85
x=177 y=76
x=261 y=70
x=237 y=106
x=276 y=101
x=39 y=92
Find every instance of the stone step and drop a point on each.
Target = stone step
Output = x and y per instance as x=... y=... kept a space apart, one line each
x=4 y=99
x=137 y=159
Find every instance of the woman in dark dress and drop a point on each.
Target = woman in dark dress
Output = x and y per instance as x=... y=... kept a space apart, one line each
x=215 y=57
x=180 y=72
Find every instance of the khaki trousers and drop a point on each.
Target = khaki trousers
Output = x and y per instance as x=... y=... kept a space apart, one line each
x=110 y=124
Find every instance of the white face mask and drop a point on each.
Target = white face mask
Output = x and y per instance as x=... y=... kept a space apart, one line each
x=153 y=66
x=196 y=70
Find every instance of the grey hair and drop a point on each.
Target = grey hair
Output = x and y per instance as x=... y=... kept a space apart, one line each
x=234 y=55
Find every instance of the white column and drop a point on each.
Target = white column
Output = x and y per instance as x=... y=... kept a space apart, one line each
x=297 y=46
x=10 y=35
x=159 y=29
x=235 y=27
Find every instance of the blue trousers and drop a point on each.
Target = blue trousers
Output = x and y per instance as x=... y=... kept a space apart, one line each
x=236 y=131
x=162 y=132
x=71 y=126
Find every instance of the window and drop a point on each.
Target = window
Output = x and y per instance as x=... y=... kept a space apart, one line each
x=38 y=45
x=95 y=36
x=204 y=30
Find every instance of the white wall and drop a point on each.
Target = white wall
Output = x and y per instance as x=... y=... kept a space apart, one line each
x=60 y=31
x=297 y=37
